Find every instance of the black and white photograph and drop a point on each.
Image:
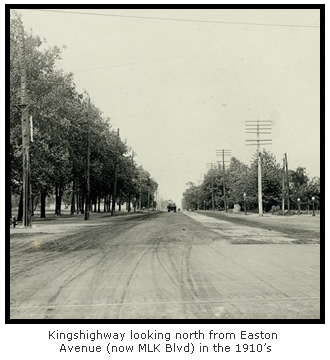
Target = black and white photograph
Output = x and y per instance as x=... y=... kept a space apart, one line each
x=164 y=164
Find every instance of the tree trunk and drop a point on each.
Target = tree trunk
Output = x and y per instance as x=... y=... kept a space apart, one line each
x=72 y=200
x=20 y=208
x=56 y=195
x=32 y=205
x=10 y=204
x=82 y=203
x=129 y=202
x=99 y=204
x=42 y=203
x=58 y=199
x=108 y=204
x=78 y=202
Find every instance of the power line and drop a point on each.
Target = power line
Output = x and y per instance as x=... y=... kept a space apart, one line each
x=177 y=19
x=128 y=64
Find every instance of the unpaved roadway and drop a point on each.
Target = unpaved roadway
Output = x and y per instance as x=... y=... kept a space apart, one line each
x=161 y=266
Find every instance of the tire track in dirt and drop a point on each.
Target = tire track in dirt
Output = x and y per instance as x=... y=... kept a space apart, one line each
x=203 y=283
x=122 y=255
x=69 y=248
x=199 y=282
x=244 y=268
x=31 y=292
x=168 y=267
x=178 y=266
x=121 y=301
x=250 y=272
x=181 y=265
x=162 y=237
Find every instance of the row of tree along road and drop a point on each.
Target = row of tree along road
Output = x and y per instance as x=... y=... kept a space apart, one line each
x=242 y=179
x=58 y=150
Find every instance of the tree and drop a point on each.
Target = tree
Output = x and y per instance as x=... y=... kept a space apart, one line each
x=313 y=188
x=298 y=181
x=192 y=197
x=59 y=150
x=38 y=65
x=146 y=188
x=237 y=179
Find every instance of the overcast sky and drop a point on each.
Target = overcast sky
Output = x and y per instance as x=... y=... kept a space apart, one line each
x=180 y=90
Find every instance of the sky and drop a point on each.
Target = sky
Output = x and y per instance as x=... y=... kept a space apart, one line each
x=179 y=90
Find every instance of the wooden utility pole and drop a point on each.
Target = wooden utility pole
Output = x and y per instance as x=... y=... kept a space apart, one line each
x=287 y=182
x=131 y=174
x=259 y=127
x=26 y=136
x=283 y=186
x=87 y=205
x=212 y=188
x=259 y=185
x=224 y=153
x=140 y=188
x=224 y=180
x=114 y=193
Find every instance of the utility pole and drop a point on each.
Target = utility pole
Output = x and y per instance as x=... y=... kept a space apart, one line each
x=224 y=153
x=26 y=136
x=87 y=205
x=140 y=188
x=287 y=182
x=129 y=194
x=283 y=186
x=210 y=165
x=259 y=127
x=114 y=192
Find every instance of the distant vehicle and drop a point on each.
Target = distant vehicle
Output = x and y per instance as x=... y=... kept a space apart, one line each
x=171 y=206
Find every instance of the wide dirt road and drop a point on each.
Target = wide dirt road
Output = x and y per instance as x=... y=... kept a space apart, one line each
x=161 y=266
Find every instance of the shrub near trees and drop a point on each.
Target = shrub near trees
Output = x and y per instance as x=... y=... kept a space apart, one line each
x=59 y=147
x=240 y=178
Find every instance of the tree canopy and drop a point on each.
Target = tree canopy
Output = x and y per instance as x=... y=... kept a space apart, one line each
x=60 y=133
x=241 y=178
